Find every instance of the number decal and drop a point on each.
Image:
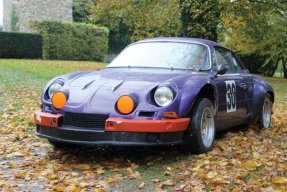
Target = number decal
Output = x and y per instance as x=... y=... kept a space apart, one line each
x=230 y=96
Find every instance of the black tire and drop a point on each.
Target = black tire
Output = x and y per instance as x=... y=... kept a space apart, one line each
x=264 y=119
x=194 y=135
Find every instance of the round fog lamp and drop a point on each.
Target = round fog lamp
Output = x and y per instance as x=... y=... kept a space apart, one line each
x=126 y=104
x=59 y=99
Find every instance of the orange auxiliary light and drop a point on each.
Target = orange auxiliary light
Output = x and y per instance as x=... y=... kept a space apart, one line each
x=170 y=115
x=126 y=104
x=59 y=99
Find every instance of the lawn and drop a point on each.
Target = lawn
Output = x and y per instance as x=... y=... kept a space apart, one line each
x=244 y=158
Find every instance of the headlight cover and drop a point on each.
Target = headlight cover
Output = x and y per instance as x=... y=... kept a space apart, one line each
x=163 y=95
x=54 y=88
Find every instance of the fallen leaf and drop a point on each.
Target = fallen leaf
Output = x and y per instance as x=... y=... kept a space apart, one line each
x=13 y=165
x=167 y=173
x=281 y=180
x=83 y=185
x=18 y=154
x=75 y=174
x=149 y=163
x=211 y=174
x=251 y=165
x=168 y=183
x=155 y=180
x=141 y=186
x=170 y=169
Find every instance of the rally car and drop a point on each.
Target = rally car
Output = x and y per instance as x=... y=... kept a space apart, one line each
x=160 y=91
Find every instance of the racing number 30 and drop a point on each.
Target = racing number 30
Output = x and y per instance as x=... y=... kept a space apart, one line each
x=230 y=96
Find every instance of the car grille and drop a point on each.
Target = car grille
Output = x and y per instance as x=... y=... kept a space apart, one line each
x=86 y=120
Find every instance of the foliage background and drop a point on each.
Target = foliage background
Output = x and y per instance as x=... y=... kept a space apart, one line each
x=81 y=10
x=72 y=41
x=256 y=29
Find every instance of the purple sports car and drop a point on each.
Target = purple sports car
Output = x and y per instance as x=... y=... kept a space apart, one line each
x=161 y=91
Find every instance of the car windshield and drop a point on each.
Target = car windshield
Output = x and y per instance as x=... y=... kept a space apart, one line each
x=164 y=54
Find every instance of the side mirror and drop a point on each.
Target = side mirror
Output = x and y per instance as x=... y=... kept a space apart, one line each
x=221 y=69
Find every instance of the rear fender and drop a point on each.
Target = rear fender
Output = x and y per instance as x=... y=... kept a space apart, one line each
x=261 y=89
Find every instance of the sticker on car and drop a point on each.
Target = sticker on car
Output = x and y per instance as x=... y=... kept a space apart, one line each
x=230 y=96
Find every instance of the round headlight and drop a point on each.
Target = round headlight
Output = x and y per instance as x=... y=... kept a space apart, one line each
x=54 y=88
x=163 y=96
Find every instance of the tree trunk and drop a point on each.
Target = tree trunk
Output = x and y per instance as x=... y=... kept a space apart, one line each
x=284 y=67
x=270 y=69
x=274 y=68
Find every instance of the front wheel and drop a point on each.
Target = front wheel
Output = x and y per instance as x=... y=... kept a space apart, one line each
x=199 y=136
x=264 y=119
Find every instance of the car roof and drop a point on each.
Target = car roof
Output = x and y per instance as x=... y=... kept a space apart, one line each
x=184 y=40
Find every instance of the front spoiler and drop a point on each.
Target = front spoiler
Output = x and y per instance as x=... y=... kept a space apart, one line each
x=71 y=135
x=124 y=132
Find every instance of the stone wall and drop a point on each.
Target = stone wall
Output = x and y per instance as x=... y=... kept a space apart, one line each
x=36 y=9
x=7 y=9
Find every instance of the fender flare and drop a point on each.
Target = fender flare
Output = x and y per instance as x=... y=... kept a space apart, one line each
x=261 y=89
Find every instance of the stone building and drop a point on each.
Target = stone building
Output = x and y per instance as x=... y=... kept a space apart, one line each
x=25 y=10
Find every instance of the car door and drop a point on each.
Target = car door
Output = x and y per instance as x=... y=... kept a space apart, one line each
x=230 y=86
x=239 y=69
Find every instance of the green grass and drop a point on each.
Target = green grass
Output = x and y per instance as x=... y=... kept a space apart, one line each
x=39 y=72
x=278 y=74
x=280 y=87
x=35 y=74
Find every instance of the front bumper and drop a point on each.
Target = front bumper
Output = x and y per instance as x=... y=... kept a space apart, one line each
x=117 y=131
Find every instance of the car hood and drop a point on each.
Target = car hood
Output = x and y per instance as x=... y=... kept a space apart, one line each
x=126 y=78
x=100 y=90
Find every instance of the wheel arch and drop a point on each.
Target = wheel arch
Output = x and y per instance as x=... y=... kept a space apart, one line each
x=271 y=95
x=261 y=89
x=194 y=88
x=209 y=91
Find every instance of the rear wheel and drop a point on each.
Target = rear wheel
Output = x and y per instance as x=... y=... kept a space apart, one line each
x=264 y=119
x=199 y=136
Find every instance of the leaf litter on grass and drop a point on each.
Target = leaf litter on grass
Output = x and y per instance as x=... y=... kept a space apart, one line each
x=243 y=158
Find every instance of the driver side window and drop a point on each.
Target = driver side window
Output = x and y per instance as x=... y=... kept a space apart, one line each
x=223 y=58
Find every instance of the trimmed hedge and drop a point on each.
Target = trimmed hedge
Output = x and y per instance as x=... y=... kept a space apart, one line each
x=65 y=40
x=20 y=45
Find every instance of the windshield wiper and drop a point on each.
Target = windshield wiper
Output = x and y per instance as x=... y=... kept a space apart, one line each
x=193 y=69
